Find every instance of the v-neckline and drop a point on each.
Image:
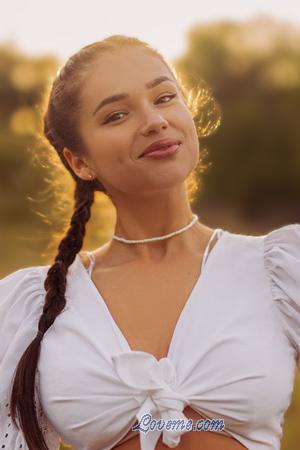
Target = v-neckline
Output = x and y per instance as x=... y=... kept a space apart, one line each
x=124 y=342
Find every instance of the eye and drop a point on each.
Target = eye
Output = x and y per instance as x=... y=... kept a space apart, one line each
x=169 y=95
x=110 y=118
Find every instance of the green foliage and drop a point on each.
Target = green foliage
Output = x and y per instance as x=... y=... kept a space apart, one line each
x=253 y=159
x=22 y=81
x=254 y=72
x=35 y=194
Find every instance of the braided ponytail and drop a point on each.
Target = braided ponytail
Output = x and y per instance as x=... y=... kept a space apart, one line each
x=61 y=128
x=22 y=398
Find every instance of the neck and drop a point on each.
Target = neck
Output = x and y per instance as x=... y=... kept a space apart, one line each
x=163 y=214
x=189 y=241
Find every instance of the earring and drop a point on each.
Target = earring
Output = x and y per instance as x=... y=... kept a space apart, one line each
x=91 y=176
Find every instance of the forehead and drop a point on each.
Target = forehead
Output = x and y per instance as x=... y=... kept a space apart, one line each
x=123 y=70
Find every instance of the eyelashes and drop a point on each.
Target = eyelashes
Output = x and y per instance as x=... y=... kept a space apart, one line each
x=110 y=117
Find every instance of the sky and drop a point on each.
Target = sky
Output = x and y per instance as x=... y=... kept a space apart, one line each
x=61 y=27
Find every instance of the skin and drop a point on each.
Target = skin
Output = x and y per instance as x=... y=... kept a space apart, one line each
x=140 y=189
x=149 y=195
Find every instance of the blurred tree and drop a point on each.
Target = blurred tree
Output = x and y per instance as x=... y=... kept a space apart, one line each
x=253 y=161
x=254 y=71
x=35 y=191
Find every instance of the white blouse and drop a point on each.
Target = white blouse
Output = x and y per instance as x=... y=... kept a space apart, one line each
x=233 y=352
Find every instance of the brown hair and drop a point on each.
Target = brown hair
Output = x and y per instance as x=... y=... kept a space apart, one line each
x=60 y=129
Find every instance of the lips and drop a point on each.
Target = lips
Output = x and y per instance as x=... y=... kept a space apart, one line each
x=159 y=145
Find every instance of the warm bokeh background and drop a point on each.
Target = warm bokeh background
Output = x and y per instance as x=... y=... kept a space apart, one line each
x=251 y=183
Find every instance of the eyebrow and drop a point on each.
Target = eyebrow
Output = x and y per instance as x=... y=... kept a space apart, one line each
x=114 y=98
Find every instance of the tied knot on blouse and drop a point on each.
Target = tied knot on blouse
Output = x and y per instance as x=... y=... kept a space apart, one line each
x=156 y=382
x=245 y=311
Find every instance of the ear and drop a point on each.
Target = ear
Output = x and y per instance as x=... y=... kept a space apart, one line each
x=77 y=164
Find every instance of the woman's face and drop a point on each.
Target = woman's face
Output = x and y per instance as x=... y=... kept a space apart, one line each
x=116 y=133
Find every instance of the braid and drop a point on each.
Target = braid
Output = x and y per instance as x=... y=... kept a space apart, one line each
x=62 y=129
x=22 y=397
x=70 y=245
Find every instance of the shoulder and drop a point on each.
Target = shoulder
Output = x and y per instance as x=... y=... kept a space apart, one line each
x=22 y=284
x=21 y=300
x=22 y=297
x=282 y=264
x=86 y=258
x=279 y=252
x=282 y=255
x=285 y=237
x=31 y=274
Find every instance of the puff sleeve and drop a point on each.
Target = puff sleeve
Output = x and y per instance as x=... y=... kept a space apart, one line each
x=21 y=303
x=282 y=262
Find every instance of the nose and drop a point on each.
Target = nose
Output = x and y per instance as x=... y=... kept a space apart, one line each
x=154 y=122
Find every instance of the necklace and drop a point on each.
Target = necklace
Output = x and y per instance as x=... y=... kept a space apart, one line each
x=158 y=238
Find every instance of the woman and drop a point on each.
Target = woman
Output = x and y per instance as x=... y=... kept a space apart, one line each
x=170 y=318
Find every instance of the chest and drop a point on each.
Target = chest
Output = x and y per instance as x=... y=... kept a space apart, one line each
x=146 y=301
x=229 y=353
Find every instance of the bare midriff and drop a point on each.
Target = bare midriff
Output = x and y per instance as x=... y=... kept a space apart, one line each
x=151 y=327
x=191 y=440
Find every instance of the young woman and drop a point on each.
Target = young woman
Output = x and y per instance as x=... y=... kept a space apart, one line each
x=169 y=319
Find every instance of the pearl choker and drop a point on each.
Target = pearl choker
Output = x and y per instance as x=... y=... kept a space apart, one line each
x=158 y=238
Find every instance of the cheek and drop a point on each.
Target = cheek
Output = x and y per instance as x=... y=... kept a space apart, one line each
x=190 y=132
x=111 y=158
x=187 y=121
x=108 y=148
